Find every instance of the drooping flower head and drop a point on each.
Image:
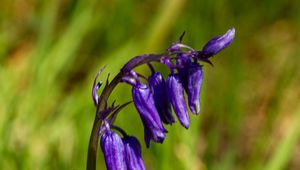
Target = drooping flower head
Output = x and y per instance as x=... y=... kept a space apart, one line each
x=153 y=100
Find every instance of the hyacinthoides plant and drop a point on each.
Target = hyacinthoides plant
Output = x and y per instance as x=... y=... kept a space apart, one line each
x=154 y=102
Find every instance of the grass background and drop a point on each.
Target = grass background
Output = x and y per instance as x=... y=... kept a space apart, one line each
x=50 y=52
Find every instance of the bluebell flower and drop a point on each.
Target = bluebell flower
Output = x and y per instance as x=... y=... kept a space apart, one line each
x=154 y=103
x=113 y=149
x=218 y=43
x=193 y=88
x=144 y=103
x=133 y=153
x=162 y=103
x=183 y=62
x=176 y=96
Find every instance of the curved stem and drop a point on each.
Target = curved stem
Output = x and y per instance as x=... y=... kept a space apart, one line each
x=151 y=68
x=119 y=129
x=94 y=138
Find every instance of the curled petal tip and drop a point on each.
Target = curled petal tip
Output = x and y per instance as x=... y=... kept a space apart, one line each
x=195 y=109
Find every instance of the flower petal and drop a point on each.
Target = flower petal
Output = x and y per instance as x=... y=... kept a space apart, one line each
x=113 y=151
x=176 y=97
x=133 y=153
x=144 y=103
x=163 y=105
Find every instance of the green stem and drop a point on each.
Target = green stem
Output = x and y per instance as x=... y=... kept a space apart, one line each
x=94 y=138
x=93 y=144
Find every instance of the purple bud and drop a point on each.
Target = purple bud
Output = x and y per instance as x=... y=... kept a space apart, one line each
x=183 y=61
x=176 y=97
x=133 y=153
x=144 y=103
x=113 y=150
x=218 y=43
x=195 y=78
x=95 y=88
x=163 y=105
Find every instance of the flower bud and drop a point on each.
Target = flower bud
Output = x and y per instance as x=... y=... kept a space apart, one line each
x=95 y=88
x=133 y=155
x=158 y=85
x=194 y=80
x=144 y=103
x=218 y=43
x=113 y=151
x=176 y=97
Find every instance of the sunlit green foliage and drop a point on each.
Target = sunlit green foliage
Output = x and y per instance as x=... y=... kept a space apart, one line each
x=50 y=52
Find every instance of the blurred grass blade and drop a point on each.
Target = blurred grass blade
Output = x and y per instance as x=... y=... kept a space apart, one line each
x=164 y=21
x=285 y=148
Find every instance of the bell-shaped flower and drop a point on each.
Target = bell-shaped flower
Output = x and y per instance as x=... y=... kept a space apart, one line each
x=194 y=84
x=176 y=96
x=183 y=61
x=113 y=150
x=145 y=105
x=218 y=43
x=163 y=105
x=133 y=153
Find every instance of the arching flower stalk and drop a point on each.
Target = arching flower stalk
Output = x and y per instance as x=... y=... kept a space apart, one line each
x=154 y=101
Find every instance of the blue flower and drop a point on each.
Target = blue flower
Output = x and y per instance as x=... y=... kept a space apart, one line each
x=162 y=103
x=145 y=105
x=133 y=153
x=113 y=150
x=154 y=103
x=218 y=43
x=176 y=97
x=193 y=88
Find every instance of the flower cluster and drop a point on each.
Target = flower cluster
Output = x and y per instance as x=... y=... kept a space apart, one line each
x=155 y=99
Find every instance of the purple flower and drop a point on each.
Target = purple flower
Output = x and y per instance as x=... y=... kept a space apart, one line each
x=183 y=62
x=176 y=97
x=144 y=103
x=194 y=84
x=218 y=43
x=153 y=102
x=95 y=88
x=163 y=105
x=133 y=153
x=113 y=150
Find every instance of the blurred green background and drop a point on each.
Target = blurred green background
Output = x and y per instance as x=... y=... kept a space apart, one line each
x=50 y=52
